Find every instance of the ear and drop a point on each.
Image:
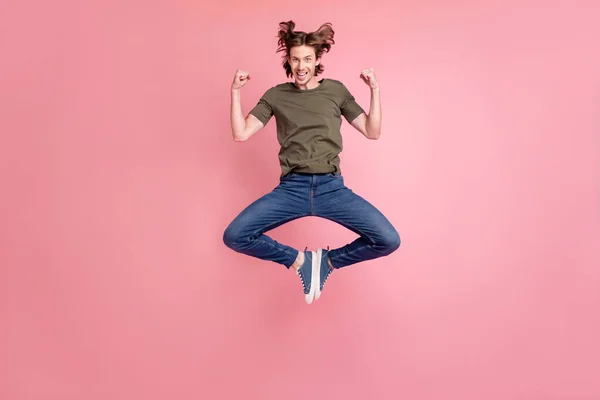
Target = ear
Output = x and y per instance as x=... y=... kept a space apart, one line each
x=318 y=61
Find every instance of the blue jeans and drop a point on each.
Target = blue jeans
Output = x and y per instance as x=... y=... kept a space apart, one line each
x=303 y=195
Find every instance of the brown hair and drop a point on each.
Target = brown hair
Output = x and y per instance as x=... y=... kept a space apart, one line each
x=321 y=40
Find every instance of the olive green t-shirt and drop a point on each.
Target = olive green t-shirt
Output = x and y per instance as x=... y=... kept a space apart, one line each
x=308 y=124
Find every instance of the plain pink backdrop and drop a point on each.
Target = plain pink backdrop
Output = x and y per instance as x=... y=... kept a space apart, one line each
x=119 y=176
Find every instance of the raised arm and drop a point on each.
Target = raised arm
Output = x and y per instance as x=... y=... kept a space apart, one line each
x=370 y=124
x=241 y=128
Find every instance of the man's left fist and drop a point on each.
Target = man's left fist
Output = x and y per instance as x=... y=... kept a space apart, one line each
x=368 y=75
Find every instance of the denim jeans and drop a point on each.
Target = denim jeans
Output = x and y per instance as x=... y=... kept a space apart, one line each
x=320 y=195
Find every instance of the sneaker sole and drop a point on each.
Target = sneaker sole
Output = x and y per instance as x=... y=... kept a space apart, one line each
x=317 y=275
x=315 y=269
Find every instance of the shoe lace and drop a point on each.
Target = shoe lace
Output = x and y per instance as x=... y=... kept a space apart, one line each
x=329 y=271
x=300 y=274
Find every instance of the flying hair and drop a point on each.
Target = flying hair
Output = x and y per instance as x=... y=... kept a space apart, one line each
x=321 y=40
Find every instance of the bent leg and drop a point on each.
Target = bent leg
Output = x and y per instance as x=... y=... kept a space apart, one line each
x=245 y=234
x=378 y=237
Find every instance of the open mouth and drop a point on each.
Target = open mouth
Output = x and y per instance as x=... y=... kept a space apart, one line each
x=301 y=75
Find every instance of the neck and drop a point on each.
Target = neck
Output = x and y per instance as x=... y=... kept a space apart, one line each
x=311 y=84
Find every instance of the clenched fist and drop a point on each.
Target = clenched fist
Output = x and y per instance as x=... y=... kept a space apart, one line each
x=240 y=79
x=368 y=75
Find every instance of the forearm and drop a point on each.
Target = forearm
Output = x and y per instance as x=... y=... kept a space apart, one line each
x=374 y=116
x=238 y=122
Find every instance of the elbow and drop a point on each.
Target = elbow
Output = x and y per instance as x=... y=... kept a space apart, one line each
x=239 y=137
x=373 y=135
x=373 y=128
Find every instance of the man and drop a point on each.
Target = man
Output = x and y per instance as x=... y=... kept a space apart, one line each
x=308 y=114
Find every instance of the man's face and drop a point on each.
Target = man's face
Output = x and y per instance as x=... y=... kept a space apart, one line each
x=303 y=62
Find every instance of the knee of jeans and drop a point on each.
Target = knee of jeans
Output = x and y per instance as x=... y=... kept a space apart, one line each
x=232 y=238
x=391 y=241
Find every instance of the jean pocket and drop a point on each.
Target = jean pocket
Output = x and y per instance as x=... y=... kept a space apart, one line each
x=288 y=176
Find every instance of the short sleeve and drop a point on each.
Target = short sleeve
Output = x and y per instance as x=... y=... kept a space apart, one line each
x=263 y=109
x=349 y=107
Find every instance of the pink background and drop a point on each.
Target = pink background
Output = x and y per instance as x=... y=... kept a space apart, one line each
x=119 y=176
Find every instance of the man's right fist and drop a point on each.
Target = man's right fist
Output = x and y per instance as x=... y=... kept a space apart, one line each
x=240 y=79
